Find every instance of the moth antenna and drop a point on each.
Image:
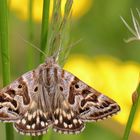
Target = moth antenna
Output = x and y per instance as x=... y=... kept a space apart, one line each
x=56 y=54
x=32 y=45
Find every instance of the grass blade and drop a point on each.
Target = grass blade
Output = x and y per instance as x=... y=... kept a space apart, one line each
x=5 y=55
x=44 y=27
x=44 y=36
x=30 y=35
x=54 y=36
x=58 y=31
x=134 y=107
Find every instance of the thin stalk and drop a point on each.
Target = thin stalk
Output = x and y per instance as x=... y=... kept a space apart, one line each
x=44 y=27
x=136 y=95
x=30 y=35
x=54 y=36
x=65 y=33
x=58 y=31
x=132 y=114
x=44 y=36
x=5 y=56
x=55 y=30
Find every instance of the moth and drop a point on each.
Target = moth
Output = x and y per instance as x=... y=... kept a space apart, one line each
x=50 y=96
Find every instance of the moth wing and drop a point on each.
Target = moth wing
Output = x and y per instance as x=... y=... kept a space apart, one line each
x=88 y=103
x=15 y=98
x=66 y=120
x=33 y=123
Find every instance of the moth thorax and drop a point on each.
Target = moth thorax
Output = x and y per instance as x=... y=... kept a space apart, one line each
x=50 y=61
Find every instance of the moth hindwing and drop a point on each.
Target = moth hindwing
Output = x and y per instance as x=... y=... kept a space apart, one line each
x=50 y=96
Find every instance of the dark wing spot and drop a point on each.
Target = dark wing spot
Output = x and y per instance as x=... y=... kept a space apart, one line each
x=11 y=92
x=19 y=86
x=61 y=88
x=36 y=89
x=94 y=98
x=85 y=110
x=106 y=111
x=114 y=107
x=71 y=95
x=105 y=104
x=96 y=114
x=76 y=86
x=14 y=103
x=101 y=113
x=83 y=102
x=85 y=93
x=15 y=111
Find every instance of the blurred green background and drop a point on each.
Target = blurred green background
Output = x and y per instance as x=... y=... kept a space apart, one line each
x=102 y=33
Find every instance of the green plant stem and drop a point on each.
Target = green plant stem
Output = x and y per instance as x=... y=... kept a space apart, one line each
x=58 y=31
x=30 y=35
x=5 y=55
x=132 y=115
x=54 y=35
x=44 y=27
x=44 y=35
x=55 y=42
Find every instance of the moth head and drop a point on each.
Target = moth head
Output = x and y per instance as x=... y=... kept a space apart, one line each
x=50 y=61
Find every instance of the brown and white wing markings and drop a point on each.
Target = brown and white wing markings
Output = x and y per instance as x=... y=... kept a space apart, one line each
x=89 y=104
x=24 y=103
x=76 y=103
x=66 y=120
x=16 y=98
x=33 y=123
x=50 y=96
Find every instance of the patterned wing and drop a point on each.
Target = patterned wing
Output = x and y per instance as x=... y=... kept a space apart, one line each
x=66 y=120
x=87 y=103
x=33 y=123
x=15 y=98
x=22 y=103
